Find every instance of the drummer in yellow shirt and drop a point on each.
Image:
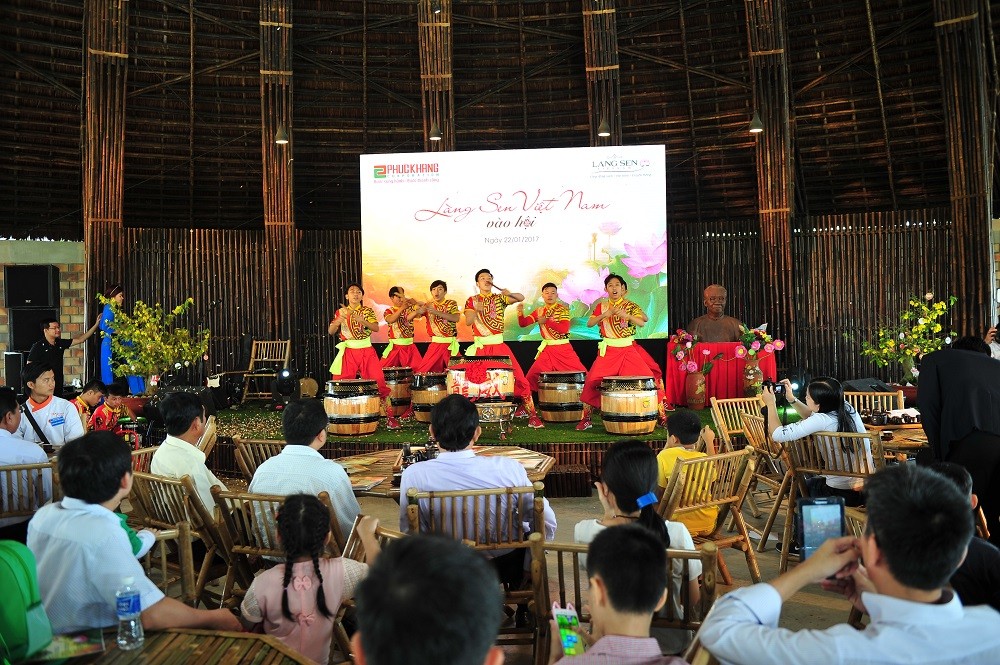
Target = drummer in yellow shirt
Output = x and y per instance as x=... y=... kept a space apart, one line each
x=684 y=429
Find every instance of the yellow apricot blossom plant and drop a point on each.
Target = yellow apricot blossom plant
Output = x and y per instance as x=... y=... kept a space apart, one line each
x=918 y=332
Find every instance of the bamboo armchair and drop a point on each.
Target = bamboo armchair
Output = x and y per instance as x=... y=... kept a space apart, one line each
x=24 y=488
x=772 y=470
x=716 y=480
x=208 y=438
x=354 y=549
x=485 y=520
x=571 y=584
x=180 y=536
x=266 y=360
x=726 y=414
x=251 y=527
x=828 y=454
x=163 y=502
x=142 y=458
x=251 y=453
x=875 y=401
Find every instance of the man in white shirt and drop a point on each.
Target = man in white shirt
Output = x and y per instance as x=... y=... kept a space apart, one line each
x=919 y=526
x=178 y=455
x=455 y=426
x=15 y=450
x=57 y=418
x=83 y=552
x=299 y=468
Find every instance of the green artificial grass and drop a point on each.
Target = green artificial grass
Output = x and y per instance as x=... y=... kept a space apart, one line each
x=255 y=421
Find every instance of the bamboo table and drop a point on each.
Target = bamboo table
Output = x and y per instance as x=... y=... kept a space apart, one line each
x=188 y=645
x=379 y=467
x=905 y=440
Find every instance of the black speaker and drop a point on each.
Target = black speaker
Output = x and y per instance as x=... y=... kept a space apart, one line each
x=31 y=286
x=13 y=363
x=25 y=328
x=866 y=385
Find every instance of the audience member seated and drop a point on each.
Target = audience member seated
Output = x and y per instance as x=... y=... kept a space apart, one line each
x=83 y=553
x=683 y=429
x=919 y=526
x=300 y=468
x=178 y=455
x=48 y=420
x=15 y=450
x=627 y=493
x=428 y=600
x=627 y=566
x=88 y=399
x=824 y=410
x=108 y=415
x=977 y=580
x=455 y=426
x=714 y=325
x=297 y=616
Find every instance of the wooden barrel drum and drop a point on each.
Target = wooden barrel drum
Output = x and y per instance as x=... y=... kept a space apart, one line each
x=427 y=390
x=353 y=406
x=399 y=380
x=629 y=404
x=495 y=384
x=559 y=396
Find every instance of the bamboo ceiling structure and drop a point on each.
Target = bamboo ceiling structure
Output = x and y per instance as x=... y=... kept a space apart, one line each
x=160 y=114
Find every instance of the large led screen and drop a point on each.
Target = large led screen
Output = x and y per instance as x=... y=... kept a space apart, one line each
x=566 y=215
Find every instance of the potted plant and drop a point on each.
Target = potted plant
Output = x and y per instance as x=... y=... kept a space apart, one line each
x=918 y=331
x=754 y=343
x=684 y=353
x=148 y=341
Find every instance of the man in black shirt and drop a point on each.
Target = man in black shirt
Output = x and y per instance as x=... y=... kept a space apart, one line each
x=49 y=349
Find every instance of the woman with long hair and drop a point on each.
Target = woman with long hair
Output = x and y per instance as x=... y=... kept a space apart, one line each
x=627 y=493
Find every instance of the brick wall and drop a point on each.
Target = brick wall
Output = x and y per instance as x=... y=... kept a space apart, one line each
x=68 y=258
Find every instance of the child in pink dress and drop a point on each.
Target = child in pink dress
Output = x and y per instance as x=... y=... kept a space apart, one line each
x=298 y=601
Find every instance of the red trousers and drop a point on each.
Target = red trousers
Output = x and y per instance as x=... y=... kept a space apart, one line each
x=403 y=356
x=363 y=363
x=561 y=358
x=435 y=360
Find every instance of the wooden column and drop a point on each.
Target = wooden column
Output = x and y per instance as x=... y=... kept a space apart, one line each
x=600 y=44
x=436 y=84
x=105 y=69
x=961 y=28
x=280 y=237
x=767 y=40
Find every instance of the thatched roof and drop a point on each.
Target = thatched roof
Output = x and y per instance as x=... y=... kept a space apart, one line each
x=869 y=130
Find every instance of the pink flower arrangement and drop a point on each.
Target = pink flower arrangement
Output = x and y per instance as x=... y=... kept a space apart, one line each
x=683 y=352
x=753 y=341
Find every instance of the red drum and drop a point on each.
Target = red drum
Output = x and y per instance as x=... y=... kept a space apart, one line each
x=353 y=406
x=629 y=404
x=399 y=380
x=428 y=389
x=482 y=378
x=559 y=396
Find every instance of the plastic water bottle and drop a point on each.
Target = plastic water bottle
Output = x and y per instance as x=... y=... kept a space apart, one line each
x=128 y=606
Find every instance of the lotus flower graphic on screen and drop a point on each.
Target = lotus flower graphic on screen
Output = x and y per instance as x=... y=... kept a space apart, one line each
x=609 y=228
x=584 y=285
x=646 y=258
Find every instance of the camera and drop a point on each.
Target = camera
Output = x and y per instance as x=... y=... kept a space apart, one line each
x=778 y=388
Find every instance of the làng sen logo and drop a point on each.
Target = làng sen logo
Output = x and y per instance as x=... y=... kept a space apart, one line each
x=379 y=172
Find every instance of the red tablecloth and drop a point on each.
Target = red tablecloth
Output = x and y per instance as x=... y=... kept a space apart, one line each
x=726 y=378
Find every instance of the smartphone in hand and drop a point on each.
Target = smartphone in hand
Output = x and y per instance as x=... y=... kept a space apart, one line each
x=822 y=518
x=568 y=621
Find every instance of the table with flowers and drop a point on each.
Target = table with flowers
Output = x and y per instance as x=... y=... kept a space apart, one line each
x=721 y=366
